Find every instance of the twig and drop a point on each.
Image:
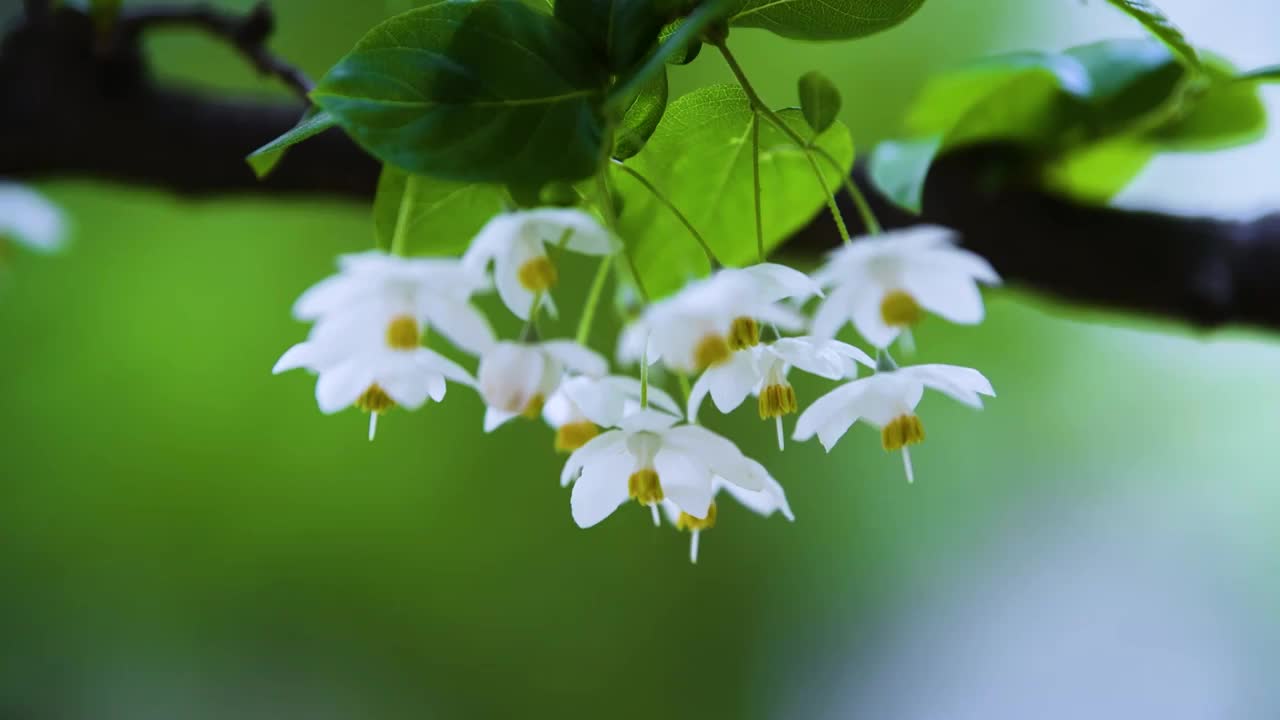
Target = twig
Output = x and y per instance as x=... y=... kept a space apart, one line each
x=248 y=33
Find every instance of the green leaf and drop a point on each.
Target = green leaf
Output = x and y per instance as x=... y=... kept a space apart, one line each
x=680 y=40
x=264 y=159
x=819 y=101
x=1098 y=172
x=620 y=31
x=1159 y=25
x=1220 y=114
x=680 y=55
x=472 y=91
x=822 y=19
x=641 y=117
x=1263 y=74
x=700 y=159
x=1129 y=79
x=442 y=217
x=898 y=168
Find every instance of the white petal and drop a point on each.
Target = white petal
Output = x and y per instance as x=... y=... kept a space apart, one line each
x=433 y=362
x=436 y=387
x=339 y=386
x=732 y=382
x=778 y=282
x=648 y=420
x=717 y=453
x=697 y=394
x=963 y=262
x=495 y=418
x=302 y=355
x=460 y=322
x=30 y=219
x=633 y=344
x=869 y=320
x=407 y=385
x=951 y=295
x=492 y=240
x=577 y=358
x=830 y=416
x=764 y=502
x=834 y=312
x=597 y=448
x=586 y=236
x=559 y=410
x=601 y=489
x=960 y=383
x=830 y=359
x=510 y=374
x=685 y=481
x=506 y=266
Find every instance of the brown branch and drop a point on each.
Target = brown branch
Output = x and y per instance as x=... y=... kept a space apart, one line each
x=248 y=34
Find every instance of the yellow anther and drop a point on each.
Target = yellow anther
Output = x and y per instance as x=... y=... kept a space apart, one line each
x=574 y=435
x=533 y=408
x=776 y=401
x=712 y=350
x=643 y=485
x=693 y=524
x=538 y=274
x=375 y=399
x=743 y=333
x=902 y=431
x=900 y=309
x=402 y=333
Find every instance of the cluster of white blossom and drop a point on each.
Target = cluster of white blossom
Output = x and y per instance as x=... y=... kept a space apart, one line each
x=740 y=331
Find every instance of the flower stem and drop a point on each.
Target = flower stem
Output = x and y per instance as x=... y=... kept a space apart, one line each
x=644 y=376
x=593 y=300
x=712 y=260
x=787 y=130
x=530 y=329
x=400 y=238
x=755 y=177
x=611 y=220
x=859 y=200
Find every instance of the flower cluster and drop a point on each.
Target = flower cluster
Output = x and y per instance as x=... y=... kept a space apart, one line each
x=740 y=331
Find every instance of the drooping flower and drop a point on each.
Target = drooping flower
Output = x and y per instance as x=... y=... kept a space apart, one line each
x=516 y=244
x=883 y=284
x=436 y=292
x=887 y=400
x=651 y=459
x=762 y=370
x=703 y=324
x=764 y=502
x=27 y=218
x=375 y=361
x=518 y=378
x=583 y=406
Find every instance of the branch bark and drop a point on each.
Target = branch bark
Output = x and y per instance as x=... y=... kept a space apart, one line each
x=76 y=108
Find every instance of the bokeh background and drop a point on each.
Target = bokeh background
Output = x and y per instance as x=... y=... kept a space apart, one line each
x=183 y=535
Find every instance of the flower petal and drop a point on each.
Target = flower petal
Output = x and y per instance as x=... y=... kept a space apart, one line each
x=685 y=481
x=597 y=448
x=720 y=455
x=648 y=420
x=946 y=293
x=763 y=502
x=601 y=489
x=830 y=359
x=830 y=416
x=460 y=322
x=339 y=386
x=577 y=358
x=495 y=418
x=732 y=382
x=959 y=383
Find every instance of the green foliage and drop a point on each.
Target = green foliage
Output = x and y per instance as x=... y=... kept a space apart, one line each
x=700 y=158
x=472 y=91
x=1092 y=116
x=1264 y=74
x=264 y=159
x=819 y=100
x=641 y=117
x=441 y=216
x=620 y=31
x=1161 y=26
x=821 y=19
x=680 y=43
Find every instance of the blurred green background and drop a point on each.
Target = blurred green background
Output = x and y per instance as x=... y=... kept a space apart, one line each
x=183 y=535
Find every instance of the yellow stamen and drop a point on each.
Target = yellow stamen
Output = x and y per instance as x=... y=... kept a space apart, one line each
x=900 y=309
x=643 y=485
x=776 y=401
x=534 y=408
x=402 y=333
x=902 y=431
x=712 y=350
x=574 y=435
x=744 y=333
x=693 y=524
x=375 y=399
x=538 y=274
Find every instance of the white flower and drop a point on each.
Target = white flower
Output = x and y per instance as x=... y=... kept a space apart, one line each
x=583 y=405
x=882 y=284
x=28 y=218
x=373 y=360
x=435 y=292
x=516 y=243
x=703 y=324
x=764 y=502
x=762 y=370
x=517 y=378
x=888 y=401
x=650 y=460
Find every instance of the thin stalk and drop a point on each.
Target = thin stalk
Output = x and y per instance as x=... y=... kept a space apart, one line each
x=644 y=377
x=593 y=300
x=400 y=238
x=755 y=177
x=859 y=200
x=531 y=325
x=611 y=219
x=706 y=249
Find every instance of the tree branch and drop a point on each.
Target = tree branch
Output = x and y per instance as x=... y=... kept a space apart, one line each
x=75 y=108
